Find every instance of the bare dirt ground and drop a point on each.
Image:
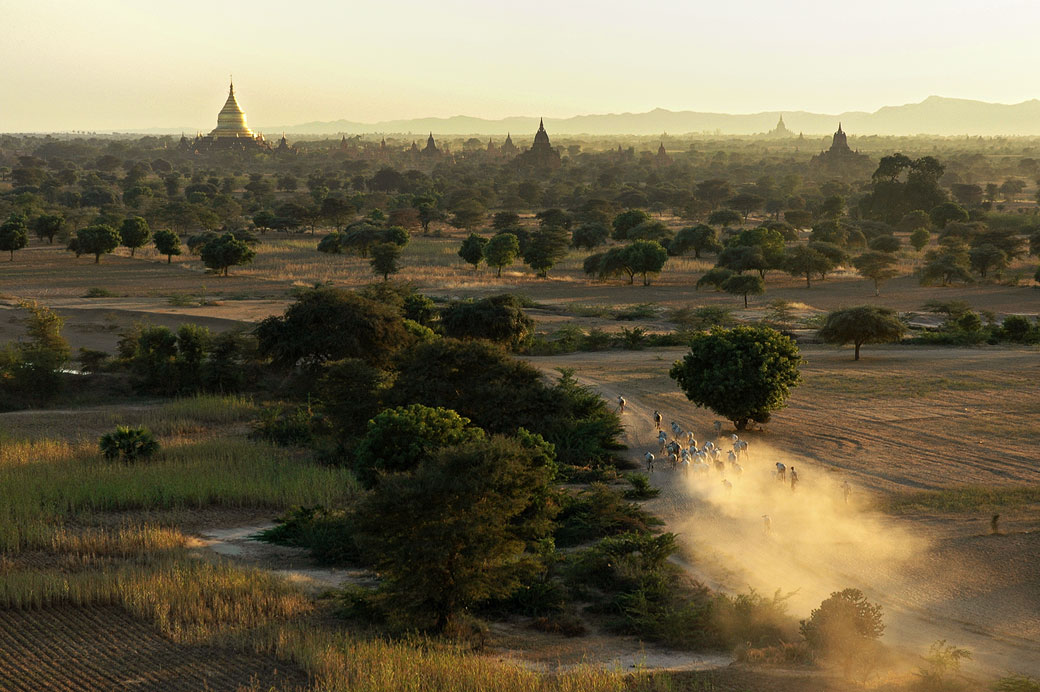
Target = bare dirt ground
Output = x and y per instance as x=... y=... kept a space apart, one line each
x=936 y=418
x=903 y=418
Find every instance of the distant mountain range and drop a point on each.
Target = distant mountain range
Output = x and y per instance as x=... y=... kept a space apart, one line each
x=935 y=115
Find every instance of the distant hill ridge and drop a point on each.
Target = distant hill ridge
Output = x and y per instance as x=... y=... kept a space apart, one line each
x=935 y=115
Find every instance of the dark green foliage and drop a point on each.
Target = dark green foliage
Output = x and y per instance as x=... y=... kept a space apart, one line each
x=398 y=439
x=946 y=264
x=1017 y=328
x=472 y=249
x=134 y=233
x=48 y=225
x=197 y=241
x=884 y=243
x=902 y=185
x=327 y=534
x=224 y=252
x=876 y=266
x=287 y=427
x=546 y=247
x=716 y=277
x=844 y=628
x=744 y=285
x=988 y=259
x=501 y=394
x=167 y=243
x=919 y=238
x=701 y=318
x=128 y=444
x=947 y=212
x=590 y=235
x=643 y=257
x=95 y=240
x=501 y=251
x=600 y=511
x=328 y=323
x=832 y=231
x=724 y=217
x=30 y=369
x=802 y=260
x=743 y=373
x=699 y=238
x=867 y=324
x=386 y=259
x=628 y=220
x=835 y=253
x=463 y=528
x=351 y=394
x=498 y=318
x=639 y=592
x=742 y=258
x=641 y=488
x=650 y=230
x=14 y=234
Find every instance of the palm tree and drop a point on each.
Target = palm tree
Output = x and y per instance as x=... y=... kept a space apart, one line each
x=128 y=444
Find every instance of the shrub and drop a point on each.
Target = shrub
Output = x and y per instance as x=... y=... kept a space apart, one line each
x=753 y=620
x=845 y=629
x=641 y=488
x=285 y=427
x=326 y=324
x=501 y=394
x=498 y=319
x=399 y=439
x=128 y=444
x=327 y=534
x=597 y=512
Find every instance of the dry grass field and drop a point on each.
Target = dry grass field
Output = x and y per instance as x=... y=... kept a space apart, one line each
x=933 y=440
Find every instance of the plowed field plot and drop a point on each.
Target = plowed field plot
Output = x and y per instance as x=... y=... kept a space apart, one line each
x=102 y=649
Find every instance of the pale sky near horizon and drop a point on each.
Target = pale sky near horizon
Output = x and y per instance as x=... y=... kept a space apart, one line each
x=133 y=64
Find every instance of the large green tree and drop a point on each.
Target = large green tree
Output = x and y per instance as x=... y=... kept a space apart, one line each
x=501 y=251
x=876 y=266
x=167 y=243
x=500 y=319
x=14 y=234
x=96 y=240
x=328 y=324
x=472 y=249
x=462 y=528
x=547 y=247
x=744 y=285
x=48 y=225
x=226 y=251
x=802 y=260
x=743 y=373
x=134 y=233
x=386 y=259
x=867 y=324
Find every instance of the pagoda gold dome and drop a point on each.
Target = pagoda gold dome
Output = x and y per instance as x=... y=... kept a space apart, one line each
x=231 y=121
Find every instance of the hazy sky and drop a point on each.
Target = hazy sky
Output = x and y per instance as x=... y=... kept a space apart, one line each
x=122 y=64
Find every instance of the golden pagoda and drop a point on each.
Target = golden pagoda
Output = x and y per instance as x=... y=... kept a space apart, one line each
x=231 y=132
x=231 y=121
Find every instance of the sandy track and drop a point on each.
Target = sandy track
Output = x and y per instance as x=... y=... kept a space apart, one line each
x=937 y=578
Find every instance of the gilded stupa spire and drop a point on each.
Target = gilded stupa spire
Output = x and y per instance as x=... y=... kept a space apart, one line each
x=231 y=121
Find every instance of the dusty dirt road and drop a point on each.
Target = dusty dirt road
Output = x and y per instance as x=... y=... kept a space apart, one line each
x=906 y=418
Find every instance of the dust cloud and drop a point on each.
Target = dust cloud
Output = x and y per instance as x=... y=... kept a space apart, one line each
x=751 y=529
